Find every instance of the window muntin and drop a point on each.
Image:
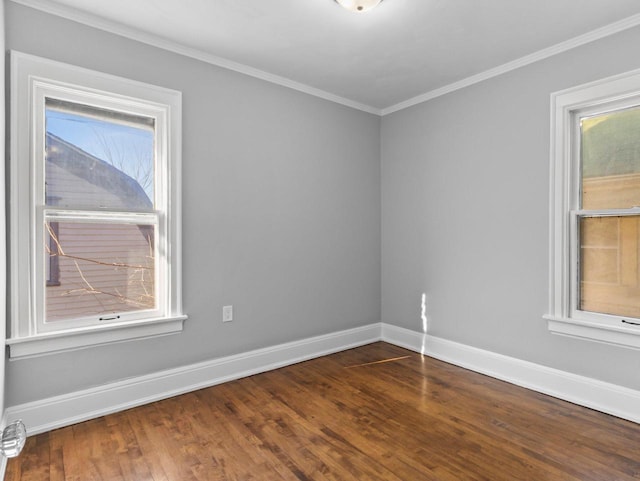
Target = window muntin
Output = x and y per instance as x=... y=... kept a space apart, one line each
x=97 y=194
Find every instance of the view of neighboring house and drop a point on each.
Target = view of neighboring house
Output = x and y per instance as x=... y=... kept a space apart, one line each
x=610 y=256
x=610 y=253
x=95 y=268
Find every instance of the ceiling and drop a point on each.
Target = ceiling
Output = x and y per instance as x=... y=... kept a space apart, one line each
x=376 y=60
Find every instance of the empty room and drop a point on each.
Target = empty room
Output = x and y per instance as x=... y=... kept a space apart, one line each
x=320 y=240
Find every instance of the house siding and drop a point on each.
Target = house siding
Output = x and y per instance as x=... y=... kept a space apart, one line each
x=110 y=270
x=100 y=268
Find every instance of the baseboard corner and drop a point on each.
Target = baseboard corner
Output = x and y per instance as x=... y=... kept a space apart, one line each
x=594 y=394
x=59 y=411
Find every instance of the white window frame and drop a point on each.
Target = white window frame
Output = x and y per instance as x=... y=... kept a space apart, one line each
x=34 y=79
x=567 y=106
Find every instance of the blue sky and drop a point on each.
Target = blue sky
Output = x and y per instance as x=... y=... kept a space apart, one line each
x=128 y=148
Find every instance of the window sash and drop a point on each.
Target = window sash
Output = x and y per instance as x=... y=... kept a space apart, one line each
x=576 y=213
x=43 y=90
x=47 y=90
x=575 y=265
x=573 y=192
x=87 y=217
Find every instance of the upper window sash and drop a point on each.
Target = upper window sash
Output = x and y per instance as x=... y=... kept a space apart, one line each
x=44 y=89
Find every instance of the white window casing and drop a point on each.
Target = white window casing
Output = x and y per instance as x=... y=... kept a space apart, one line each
x=567 y=107
x=33 y=80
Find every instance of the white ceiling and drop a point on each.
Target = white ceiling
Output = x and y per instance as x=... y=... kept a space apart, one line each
x=378 y=60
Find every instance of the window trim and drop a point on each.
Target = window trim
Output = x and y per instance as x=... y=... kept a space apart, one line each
x=562 y=317
x=30 y=77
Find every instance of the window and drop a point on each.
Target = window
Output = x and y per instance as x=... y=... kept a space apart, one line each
x=595 y=211
x=95 y=217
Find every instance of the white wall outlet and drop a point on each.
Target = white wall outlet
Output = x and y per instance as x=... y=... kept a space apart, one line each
x=227 y=313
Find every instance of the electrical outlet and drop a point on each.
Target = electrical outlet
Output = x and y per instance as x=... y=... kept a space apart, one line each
x=227 y=314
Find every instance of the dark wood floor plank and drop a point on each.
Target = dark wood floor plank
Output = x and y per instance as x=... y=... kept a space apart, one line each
x=375 y=413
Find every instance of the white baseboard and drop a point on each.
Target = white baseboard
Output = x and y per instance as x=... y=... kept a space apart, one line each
x=55 y=412
x=605 y=397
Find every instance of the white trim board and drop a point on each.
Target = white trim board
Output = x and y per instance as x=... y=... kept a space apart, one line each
x=59 y=411
x=591 y=393
x=175 y=47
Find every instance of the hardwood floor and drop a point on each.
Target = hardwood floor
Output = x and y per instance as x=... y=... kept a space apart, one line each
x=377 y=412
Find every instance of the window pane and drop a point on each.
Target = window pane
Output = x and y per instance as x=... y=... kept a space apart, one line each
x=97 y=158
x=102 y=269
x=609 y=254
x=610 y=153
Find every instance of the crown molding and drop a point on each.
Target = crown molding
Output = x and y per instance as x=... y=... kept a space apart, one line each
x=556 y=49
x=156 y=41
x=116 y=28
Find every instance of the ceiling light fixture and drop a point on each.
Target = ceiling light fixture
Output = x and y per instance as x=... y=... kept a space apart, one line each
x=358 y=5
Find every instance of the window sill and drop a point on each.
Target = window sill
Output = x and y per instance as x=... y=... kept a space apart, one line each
x=42 y=344
x=626 y=336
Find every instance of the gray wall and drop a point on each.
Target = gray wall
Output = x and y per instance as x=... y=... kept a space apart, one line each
x=281 y=211
x=465 y=200
x=282 y=196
